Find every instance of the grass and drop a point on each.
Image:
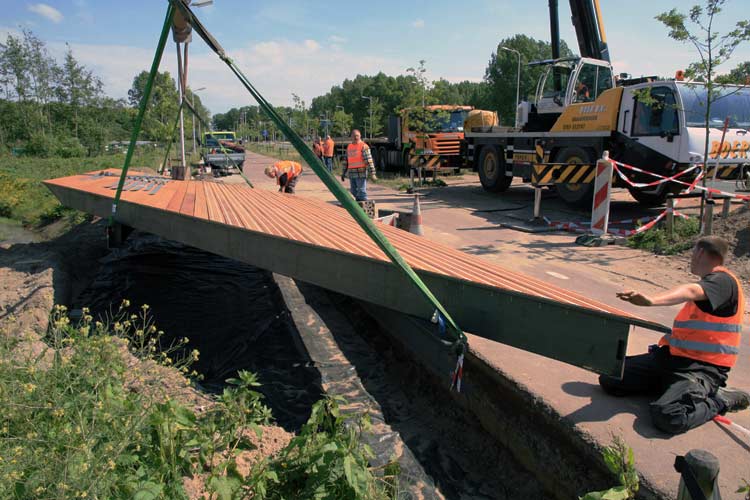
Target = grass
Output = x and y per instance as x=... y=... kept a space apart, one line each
x=81 y=419
x=658 y=241
x=24 y=198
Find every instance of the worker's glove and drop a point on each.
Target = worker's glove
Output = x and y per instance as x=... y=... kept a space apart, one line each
x=374 y=177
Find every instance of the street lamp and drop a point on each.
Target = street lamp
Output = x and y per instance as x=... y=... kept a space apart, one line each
x=370 y=99
x=192 y=103
x=518 y=71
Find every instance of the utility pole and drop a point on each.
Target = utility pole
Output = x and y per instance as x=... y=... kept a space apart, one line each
x=370 y=99
x=518 y=71
x=192 y=103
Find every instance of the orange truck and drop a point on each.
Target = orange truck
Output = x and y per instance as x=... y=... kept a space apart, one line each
x=430 y=137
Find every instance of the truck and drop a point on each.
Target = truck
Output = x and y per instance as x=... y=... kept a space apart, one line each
x=580 y=109
x=429 y=137
x=220 y=151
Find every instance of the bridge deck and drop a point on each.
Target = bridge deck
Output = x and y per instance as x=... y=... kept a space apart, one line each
x=320 y=243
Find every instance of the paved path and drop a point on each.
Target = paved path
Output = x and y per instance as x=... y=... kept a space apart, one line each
x=468 y=218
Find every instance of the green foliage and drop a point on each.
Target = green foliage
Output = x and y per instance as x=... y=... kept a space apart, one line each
x=326 y=460
x=81 y=419
x=713 y=48
x=740 y=75
x=745 y=488
x=657 y=239
x=24 y=198
x=620 y=461
x=502 y=71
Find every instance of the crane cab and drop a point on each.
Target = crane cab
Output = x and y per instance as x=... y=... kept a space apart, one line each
x=564 y=82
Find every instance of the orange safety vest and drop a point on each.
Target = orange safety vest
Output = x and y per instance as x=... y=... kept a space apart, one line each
x=355 y=156
x=705 y=337
x=292 y=169
x=328 y=147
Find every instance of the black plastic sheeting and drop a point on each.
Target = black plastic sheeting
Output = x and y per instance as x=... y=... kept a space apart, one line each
x=231 y=312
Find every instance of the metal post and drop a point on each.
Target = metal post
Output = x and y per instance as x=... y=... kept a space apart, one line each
x=699 y=471
x=726 y=207
x=670 y=217
x=182 y=122
x=709 y=218
x=537 y=203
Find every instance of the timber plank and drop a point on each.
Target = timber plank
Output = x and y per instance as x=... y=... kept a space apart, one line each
x=179 y=194
x=201 y=208
x=214 y=214
x=188 y=204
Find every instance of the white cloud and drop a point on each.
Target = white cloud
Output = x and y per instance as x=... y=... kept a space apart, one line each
x=419 y=23
x=277 y=68
x=48 y=12
x=337 y=39
x=7 y=30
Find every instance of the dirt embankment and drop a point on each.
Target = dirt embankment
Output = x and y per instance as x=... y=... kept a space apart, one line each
x=35 y=276
x=736 y=230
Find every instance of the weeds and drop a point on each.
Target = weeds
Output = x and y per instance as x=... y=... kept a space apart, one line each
x=620 y=461
x=87 y=417
x=657 y=239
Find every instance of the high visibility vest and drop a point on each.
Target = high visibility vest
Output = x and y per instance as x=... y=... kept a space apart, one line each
x=328 y=145
x=292 y=169
x=705 y=337
x=355 y=156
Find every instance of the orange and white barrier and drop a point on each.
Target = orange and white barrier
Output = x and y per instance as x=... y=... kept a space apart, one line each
x=416 y=218
x=388 y=220
x=602 y=188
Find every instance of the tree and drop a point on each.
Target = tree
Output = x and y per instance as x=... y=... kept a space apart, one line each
x=501 y=73
x=738 y=76
x=342 y=123
x=162 y=109
x=76 y=86
x=712 y=47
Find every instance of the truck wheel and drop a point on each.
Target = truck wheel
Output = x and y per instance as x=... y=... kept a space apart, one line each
x=651 y=199
x=492 y=170
x=382 y=159
x=575 y=195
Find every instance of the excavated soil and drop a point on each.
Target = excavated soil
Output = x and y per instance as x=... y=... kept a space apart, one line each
x=736 y=230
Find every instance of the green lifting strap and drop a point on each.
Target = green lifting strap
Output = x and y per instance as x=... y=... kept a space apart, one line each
x=142 y=109
x=317 y=166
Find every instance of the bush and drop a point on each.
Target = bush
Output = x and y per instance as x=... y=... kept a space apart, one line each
x=40 y=145
x=70 y=147
x=657 y=239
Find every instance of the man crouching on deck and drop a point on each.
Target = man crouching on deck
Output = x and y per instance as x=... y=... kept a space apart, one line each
x=688 y=369
x=286 y=173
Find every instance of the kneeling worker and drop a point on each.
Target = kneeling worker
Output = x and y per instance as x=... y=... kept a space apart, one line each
x=286 y=173
x=688 y=369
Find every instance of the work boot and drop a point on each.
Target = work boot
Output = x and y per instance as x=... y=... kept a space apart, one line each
x=734 y=399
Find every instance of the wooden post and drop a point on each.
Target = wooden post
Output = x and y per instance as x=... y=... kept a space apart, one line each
x=705 y=469
x=708 y=224
x=670 y=217
x=727 y=205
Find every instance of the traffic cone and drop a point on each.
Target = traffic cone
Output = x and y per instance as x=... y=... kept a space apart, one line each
x=416 y=218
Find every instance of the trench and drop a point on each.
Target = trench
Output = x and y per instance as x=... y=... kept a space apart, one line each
x=235 y=315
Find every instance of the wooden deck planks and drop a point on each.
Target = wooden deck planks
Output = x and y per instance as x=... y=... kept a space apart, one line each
x=188 y=203
x=201 y=207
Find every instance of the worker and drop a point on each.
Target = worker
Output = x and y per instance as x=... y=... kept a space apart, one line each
x=688 y=368
x=359 y=166
x=286 y=174
x=328 y=149
x=582 y=92
x=318 y=148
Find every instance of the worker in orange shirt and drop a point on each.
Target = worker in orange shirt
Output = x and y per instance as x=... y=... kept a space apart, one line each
x=328 y=148
x=359 y=166
x=286 y=174
x=318 y=148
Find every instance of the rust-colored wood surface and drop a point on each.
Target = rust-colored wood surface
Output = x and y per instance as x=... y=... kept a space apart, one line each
x=325 y=225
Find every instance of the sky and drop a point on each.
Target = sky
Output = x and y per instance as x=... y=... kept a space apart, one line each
x=305 y=48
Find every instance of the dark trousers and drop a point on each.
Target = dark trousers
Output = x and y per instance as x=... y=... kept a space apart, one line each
x=289 y=186
x=686 y=388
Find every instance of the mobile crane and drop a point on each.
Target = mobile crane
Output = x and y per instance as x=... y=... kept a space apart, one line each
x=580 y=110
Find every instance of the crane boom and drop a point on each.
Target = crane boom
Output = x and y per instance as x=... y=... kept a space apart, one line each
x=586 y=16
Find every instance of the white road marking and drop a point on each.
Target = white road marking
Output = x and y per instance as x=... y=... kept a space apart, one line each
x=557 y=275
